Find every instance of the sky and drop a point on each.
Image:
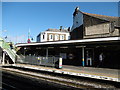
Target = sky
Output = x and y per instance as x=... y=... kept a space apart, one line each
x=20 y=17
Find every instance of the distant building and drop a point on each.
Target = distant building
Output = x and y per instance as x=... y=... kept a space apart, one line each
x=54 y=35
x=87 y=25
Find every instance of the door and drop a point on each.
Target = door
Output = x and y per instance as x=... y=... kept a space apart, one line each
x=89 y=57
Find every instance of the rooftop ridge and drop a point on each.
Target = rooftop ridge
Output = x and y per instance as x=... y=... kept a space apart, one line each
x=99 y=15
x=57 y=30
x=54 y=29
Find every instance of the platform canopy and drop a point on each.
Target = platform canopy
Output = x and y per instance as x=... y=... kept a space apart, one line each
x=67 y=42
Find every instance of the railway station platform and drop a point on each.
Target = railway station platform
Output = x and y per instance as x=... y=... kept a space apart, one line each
x=89 y=72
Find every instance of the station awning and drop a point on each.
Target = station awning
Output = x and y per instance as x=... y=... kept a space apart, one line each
x=85 y=41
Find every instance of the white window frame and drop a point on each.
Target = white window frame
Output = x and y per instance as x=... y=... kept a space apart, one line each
x=50 y=37
x=56 y=37
x=43 y=36
x=62 y=37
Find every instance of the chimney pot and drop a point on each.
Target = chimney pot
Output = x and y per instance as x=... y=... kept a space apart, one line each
x=60 y=28
x=68 y=29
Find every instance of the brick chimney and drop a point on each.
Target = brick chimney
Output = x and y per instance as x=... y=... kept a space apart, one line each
x=68 y=29
x=60 y=28
x=76 y=11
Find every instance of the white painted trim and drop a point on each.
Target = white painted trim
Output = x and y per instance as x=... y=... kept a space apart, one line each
x=72 y=41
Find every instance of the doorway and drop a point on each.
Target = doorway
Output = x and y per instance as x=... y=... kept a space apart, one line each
x=89 y=57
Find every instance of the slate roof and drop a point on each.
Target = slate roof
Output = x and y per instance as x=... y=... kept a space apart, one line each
x=57 y=30
x=104 y=17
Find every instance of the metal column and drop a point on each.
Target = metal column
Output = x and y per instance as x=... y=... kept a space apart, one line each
x=83 y=56
x=46 y=60
x=3 y=59
x=46 y=52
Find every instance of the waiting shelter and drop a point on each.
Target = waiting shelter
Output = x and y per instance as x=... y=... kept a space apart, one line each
x=84 y=52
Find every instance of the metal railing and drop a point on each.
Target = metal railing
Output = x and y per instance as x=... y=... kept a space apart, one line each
x=8 y=50
x=38 y=60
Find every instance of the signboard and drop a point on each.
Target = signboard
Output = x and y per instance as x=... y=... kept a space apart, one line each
x=63 y=55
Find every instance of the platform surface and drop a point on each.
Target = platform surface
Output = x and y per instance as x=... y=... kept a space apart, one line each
x=90 y=72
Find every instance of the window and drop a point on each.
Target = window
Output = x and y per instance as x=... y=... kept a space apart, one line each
x=77 y=22
x=61 y=37
x=50 y=37
x=43 y=36
x=68 y=37
x=56 y=37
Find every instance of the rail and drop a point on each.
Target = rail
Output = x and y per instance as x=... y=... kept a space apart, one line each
x=69 y=80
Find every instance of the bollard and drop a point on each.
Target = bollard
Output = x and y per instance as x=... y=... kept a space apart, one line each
x=60 y=63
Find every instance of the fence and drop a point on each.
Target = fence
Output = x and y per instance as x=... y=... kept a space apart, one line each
x=6 y=47
x=38 y=60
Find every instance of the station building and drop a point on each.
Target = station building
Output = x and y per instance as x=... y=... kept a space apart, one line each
x=54 y=35
x=92 y=37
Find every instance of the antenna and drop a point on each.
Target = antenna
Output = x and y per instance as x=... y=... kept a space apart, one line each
x=29 y=33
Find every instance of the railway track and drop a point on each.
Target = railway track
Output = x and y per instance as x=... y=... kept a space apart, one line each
x=64 y=80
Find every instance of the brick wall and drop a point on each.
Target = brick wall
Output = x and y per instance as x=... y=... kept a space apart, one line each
x=101 y=30
x=77 y=33
x=90 y=21
x=94 y=27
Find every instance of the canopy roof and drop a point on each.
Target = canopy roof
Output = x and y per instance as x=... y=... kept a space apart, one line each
x=82 y=41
